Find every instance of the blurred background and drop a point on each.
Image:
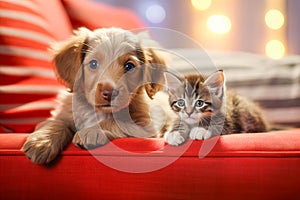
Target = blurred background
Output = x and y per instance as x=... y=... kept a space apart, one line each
x=267 y=27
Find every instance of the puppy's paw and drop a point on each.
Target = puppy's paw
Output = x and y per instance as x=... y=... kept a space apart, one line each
x=90 y=138
x=41 y=148
x=199 y=133
x=174 y=138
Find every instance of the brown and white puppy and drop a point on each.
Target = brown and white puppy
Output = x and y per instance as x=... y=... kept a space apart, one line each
x=111 y=75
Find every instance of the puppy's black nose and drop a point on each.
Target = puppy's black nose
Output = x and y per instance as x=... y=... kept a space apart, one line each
x=110 y=95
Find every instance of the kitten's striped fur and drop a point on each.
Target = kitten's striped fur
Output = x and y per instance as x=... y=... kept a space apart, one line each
x=206 y=109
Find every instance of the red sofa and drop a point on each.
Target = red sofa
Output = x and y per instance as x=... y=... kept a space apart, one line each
x=238 y=166
x=245 y=166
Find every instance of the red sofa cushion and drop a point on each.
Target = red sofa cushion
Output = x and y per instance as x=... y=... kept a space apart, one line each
x=240 y=166
x=245 y=144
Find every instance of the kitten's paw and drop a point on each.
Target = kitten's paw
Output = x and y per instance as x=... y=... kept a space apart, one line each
x=174 y=138
x=199 y=133
x=90 y=138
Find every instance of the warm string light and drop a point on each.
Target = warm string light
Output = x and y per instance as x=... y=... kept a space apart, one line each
x=275 y=21
x=275 y=49
x=201 y=4
x=218 y=24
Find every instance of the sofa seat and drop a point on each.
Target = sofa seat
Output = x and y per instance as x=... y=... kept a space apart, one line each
x=239 y=166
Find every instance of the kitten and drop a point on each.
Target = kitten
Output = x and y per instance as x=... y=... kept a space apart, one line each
x=205 y=109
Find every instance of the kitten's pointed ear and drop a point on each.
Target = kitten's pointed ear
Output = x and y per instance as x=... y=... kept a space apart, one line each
x=216 y=83
x=172 y=81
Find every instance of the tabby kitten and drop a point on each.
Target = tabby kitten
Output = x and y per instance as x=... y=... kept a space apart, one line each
x=205 y=109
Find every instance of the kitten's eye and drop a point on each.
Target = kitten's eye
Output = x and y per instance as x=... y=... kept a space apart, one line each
x=94 y=64
x=199 y=103
x=129 y=66
x=181 y=103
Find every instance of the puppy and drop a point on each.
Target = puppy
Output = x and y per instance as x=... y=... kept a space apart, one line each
x=111 y=75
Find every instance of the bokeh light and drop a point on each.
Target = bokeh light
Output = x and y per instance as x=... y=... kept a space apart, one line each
x=274 y=19
x=275 y=49
x=155 y=14
x=201 y=4
x=219 y=24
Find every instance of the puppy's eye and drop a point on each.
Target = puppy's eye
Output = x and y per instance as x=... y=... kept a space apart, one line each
x=94 y=64
x=129 y=66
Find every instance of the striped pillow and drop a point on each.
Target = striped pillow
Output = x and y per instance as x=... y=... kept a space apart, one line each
x=27 y=85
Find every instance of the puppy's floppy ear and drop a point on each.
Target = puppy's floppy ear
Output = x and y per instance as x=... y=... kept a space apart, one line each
x=154 y=72
x=155 y=64
x=68 y=56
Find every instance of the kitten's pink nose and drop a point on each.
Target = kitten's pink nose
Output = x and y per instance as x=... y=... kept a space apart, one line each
x=189 y=113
